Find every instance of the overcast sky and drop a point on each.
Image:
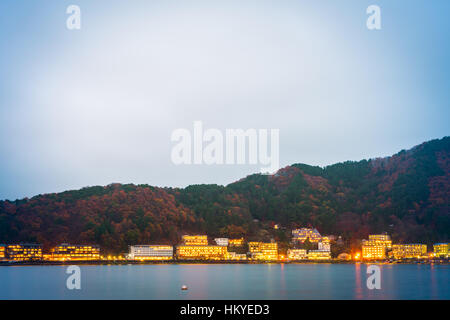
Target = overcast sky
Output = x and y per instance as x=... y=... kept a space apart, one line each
x=98 y=105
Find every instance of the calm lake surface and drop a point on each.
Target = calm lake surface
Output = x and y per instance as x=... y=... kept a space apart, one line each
x=226 y=281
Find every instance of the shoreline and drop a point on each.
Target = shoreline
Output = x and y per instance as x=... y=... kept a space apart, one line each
x=181 y=262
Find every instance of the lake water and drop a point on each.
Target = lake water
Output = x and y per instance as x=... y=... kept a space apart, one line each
x=226 y=281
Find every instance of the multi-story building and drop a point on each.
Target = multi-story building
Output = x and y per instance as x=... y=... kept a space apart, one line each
x=373 y=252
x=236 y=256
x=376 y=247
x=319 y=255
x=150 y=252
x=324 y=244
x=409 y=251
x=2 y=251
x=263 y=251
x=197 y=240
x=24 y=252
x=236 y=242
x=202 y=252
x=300 y=235
x=380 y=240
x=221 y=241
x=66 y=251
x=441 y=250
x=297 y=254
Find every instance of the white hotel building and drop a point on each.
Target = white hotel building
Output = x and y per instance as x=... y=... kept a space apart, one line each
x=221 y=242
x=150 y=252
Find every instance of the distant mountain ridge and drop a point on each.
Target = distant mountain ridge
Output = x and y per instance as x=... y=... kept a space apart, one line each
x=406 y=195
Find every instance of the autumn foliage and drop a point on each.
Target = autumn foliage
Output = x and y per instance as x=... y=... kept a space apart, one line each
x=406 y=195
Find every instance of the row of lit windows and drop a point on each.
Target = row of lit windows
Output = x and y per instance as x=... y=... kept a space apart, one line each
x=152 y=258
x=441 y=249
x=375 y=248
x=236 y=256
x=408 y=251
x=202 y=252
x=297 y=254
x=384 y=243
x=263 y=251
x=198 y=240
x=236 y=242
x=379 y=237
x=151 y=252
x=202 y=240
x=319 y=255
x=302 y=234
x=84 y=249
x=23 y=252
x=301 y=254
x=74 y=252
x=20 y=252
x=373 y=252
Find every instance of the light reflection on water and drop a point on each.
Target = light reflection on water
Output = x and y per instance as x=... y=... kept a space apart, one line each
x=226 y=281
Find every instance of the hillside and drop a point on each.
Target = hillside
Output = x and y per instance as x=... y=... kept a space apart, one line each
x=406 y=195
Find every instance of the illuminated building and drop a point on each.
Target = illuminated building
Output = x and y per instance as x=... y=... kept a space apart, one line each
x=441 y=250
x=236 y=256
x=221 y=241
x=236 y=242
x=112 y=258
x=66 y=251
x=2 y=251
x=319 y=255
x=408 y=251
x=297 y=254
x=202 y=252
x=324 y=244
x=300 y=235
x=373 y=252
x=375 y=248
x=380 y=240
x=197 y=240
x=263 y=251
x=24 y=252
x=150 y=252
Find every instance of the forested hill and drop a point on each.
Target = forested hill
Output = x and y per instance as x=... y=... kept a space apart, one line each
x=406 y=195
